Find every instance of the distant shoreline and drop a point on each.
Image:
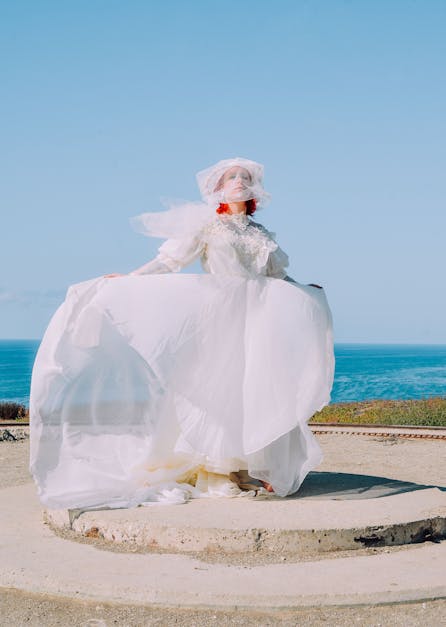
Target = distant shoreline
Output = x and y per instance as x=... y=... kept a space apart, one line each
x=376 y=344
x=363 y=372
x=409 y=412
x=429 y=412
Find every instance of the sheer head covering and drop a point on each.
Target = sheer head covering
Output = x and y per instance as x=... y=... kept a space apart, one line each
x=232 y=180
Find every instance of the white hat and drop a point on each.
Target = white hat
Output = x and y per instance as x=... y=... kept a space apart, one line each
x=208 y=182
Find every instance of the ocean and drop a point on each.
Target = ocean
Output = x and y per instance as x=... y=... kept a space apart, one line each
x=363 y=371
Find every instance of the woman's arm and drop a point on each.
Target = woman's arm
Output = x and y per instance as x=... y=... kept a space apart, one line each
x=277 y=263
x=155 y=266
x=289 y=279
x=173 y=255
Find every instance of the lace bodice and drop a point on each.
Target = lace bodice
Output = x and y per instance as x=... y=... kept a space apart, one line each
x=226 y=244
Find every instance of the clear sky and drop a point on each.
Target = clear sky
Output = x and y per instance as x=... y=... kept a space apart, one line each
x=106 y=106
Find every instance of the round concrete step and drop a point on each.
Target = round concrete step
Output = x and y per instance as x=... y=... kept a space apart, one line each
x=332 y=512
x=35 y=560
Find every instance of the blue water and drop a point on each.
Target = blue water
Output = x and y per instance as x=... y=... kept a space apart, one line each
x=363 y=371
x=388 y=371
x=16 y=363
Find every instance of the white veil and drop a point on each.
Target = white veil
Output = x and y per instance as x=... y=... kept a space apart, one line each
x=210 y=181
x=183 y=218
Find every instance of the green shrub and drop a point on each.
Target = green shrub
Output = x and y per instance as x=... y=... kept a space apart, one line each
x=13 y=411
x=428 y=412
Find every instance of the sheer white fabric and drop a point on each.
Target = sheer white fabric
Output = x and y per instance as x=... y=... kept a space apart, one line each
x=245 y=178
x=226 y=244
x=146 y=382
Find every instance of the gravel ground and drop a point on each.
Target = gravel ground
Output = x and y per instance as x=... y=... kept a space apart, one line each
x=38 y=611
x=14 y=463
x=419 y=461
x=416 y=460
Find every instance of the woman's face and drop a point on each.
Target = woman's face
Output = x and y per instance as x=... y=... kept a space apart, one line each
x=235 y=182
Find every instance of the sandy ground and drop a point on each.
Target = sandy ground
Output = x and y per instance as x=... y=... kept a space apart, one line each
x=420 y=461
x=18 y=609
x=14 y=463
x=416 y=460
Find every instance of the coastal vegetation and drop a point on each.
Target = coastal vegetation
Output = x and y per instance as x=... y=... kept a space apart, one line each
x=420 y=412
x=13 y=411
x=428 y=412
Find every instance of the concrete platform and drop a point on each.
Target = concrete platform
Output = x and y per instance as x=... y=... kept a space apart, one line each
x=332 y=512
x=34 y=559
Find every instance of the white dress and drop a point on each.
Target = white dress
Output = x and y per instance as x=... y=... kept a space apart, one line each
x=144 y=383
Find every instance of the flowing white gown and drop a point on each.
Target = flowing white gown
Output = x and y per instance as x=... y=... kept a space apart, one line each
x=149 y=383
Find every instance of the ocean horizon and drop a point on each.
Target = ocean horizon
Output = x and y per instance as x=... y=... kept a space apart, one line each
x=363 y=371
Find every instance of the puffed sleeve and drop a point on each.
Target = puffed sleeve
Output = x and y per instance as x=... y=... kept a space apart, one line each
x=277 y=258
x=277 y=262
x=173 y=255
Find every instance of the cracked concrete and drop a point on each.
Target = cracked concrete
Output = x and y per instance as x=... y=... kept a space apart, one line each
x=35 y=561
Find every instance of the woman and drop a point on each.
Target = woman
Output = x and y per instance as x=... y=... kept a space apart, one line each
x=159 y=386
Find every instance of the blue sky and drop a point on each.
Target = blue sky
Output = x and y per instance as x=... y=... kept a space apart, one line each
x=107 y=106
